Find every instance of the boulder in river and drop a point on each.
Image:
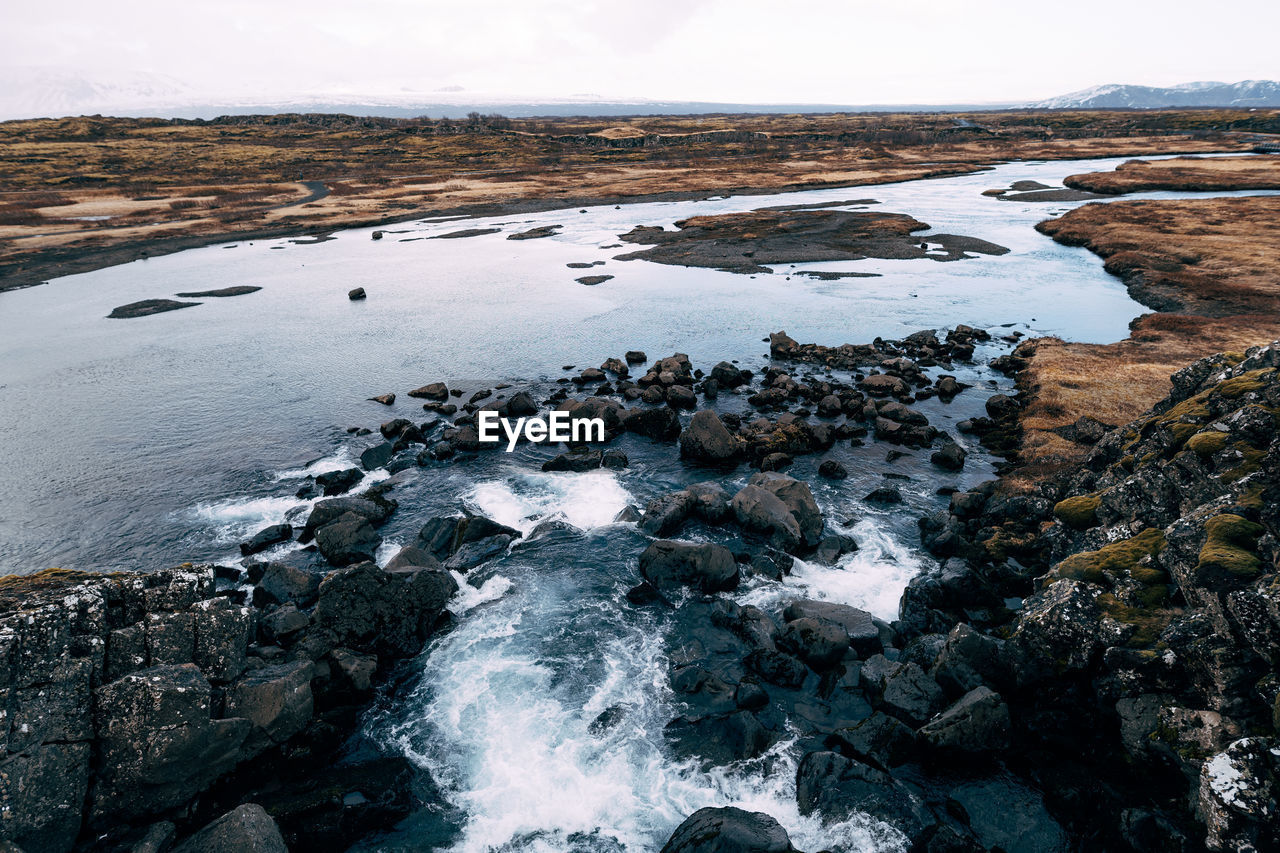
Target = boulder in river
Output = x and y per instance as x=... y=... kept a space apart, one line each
x=265 y=538
x=431 y=391
x=707 y=440
x=348 y=539
x=705 y=567
x=728 y=830
x=356 y=294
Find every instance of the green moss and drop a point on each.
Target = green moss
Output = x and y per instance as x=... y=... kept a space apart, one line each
x=1207 y=443
x=1238 y=386
x=1078 y=512
x=1251 y=498
x=1182 y=432
x=1126 y=462
x=1196 y=408
x=1116 y=558
x=1250 y=461
x=1229 y=547
x=1147 y=622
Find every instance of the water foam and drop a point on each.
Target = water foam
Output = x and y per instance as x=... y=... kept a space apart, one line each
x=585 y=500
x=871 y=578
x=503 y=720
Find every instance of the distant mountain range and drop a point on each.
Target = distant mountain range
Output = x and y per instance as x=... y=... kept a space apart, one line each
x=1246 y=93
x=27 y=92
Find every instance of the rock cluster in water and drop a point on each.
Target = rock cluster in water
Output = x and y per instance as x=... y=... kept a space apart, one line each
x=1094 y=658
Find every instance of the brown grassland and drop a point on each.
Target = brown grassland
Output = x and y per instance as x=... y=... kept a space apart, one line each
x=1184 y=173
x=1211 y=268
x=80 y=193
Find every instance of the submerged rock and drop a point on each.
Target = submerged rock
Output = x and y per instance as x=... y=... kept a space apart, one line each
x=147 y=307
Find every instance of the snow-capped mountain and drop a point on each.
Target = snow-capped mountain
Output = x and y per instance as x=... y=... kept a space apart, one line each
x=31 y=92
x=1246 y=93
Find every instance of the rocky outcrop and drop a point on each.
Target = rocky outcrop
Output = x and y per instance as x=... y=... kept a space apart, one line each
x=127 y=698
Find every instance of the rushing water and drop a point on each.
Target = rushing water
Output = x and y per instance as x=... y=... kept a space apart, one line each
x=131 y=444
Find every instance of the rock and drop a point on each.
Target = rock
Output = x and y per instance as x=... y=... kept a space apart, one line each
x=390 y=614
x=902 y=689
x=884 y=495
x=969 y=659
x=157 y=744
x=245 y=829
x=353 y=670
x=706 y=440
x=819 y=644
x=832 y=470
x=776 y=462
x=282 y=624
x=666 y=515
x=836 y=787
x=284 y=583
x=445 y=535
x=719 y=739
x=976 y=725
x=410 y=556
x=830 y=406
x=628 y=515
x=635 y=357
x=798 y=499
x=348 y=539
x=777 y=667
x=329 y=510
x=710 y=502
x=593 y=279
x=432 y=391
x=883 y=385
x=276 y=699
x=1239 y=789
x=575 y=460
x=760 y=510
x=659 y=424
x=474 y=552
x=147 y=307
x=879 y=740
x=377 y=456
x=1000 y=406
x=832 y=548
x=728 y=830
x=223 y=631
x=950 y=456
x=265 y=538
x=339 y=482
x=384 y=399
x=356 y=293
x=858 y=625
x=708 y=568
x=680 y=397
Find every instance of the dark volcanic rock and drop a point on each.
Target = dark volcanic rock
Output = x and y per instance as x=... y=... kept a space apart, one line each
x=706 y=567
x=593 y=279
x=707 y=440
x=265 y=538
x=389 y=613
x=348 y=539
x=147 y=307
x=535 y=233
x=728 y=830
x=356 y=294
x=245 y=829
x=158 y=744
x=238 y=290
x=836 y=786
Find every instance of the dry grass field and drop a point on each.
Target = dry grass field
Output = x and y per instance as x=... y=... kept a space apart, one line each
x=79 y=193
x=1211 y=267
x=1184 y=173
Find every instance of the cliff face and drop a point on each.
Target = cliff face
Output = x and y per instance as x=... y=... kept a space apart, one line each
x=125 y=697
x=1142 y=667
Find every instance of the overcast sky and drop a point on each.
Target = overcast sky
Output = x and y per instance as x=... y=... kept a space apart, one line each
x=850 y=52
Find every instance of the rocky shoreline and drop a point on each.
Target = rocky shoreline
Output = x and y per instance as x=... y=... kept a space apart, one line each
x=1089 y=664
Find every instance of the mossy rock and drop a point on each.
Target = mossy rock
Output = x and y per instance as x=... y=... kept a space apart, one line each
x=1207 y=443
x=1250 y=461
x=17 y=591
x=1148 y=620
x=1228 y=549
x=1251 y=498
x=1245 y=383
x=1078 y=513
x=1196 y=408
x=1116 y=558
